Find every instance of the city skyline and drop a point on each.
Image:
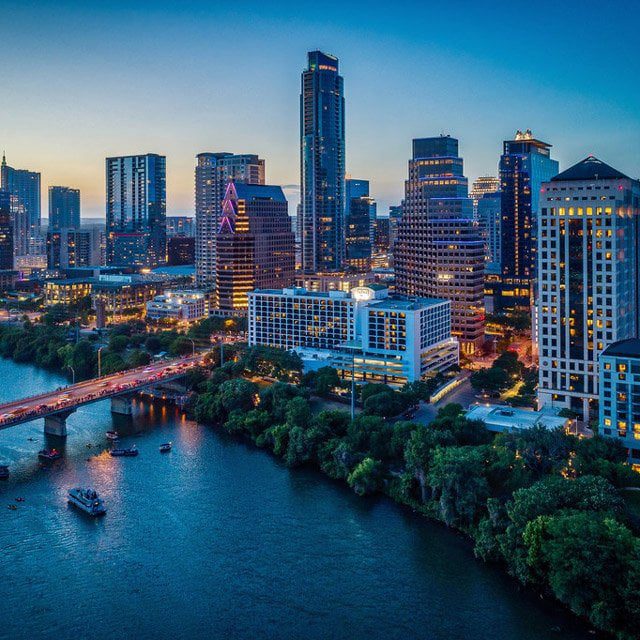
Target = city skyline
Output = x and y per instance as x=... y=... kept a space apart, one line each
x=477 y=91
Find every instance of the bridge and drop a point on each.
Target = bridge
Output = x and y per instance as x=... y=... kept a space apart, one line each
x=56 y=406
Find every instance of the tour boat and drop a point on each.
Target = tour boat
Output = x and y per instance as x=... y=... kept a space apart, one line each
x=4 y=472
x=128 y=453
x=112 y=435
x=166 y=447
x=87 y=500
x=49 y=454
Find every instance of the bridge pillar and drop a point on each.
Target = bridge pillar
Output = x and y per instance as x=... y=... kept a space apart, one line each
x=56 y=424
x=122 y=405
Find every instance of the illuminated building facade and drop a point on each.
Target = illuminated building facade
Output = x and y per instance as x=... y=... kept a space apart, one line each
x=66 y=292
x=490 y=221
x=482 y=185
x=439 y=251
x=184 y=226
x=255 y=244
x=64 y=208
x=322 y=165
x=136 y=210
x=588 y=279
x=181 y=250
x=360 y=219
x=213 y=172
x=383 y=339
x=6 y=231
x=68 y=248
x=178 y=306
x=524 y=165
x=334 y=281
x=24 y=188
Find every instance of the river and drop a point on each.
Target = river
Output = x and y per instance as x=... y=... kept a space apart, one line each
x=218 y=540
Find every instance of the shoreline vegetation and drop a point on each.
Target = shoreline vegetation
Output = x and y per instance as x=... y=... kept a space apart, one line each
x=555 y=511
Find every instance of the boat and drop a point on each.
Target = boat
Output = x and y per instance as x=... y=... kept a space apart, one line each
x=127 y=453
x=87 y=500
x=166 y=447
x=4 y=472
x=20 y=499
x=49 y=454
x=112 y=435
x=12 y=507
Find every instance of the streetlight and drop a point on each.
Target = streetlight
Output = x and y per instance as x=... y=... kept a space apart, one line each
x=73 y=373
x=193 y=344
x=353 y=345
x=100 y=362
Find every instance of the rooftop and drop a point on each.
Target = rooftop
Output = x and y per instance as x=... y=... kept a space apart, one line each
x=259 y=192
x=590 y=169
x=407 y=305
x=502 y=417
x=626 y=348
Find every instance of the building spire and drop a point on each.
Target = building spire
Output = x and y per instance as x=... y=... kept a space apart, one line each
x=4 y=158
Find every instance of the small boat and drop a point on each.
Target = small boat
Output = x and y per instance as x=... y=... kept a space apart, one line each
x=4 y=472
x=12 y=507
x=19 y=499
x=49 y=454
x=87 y=500
x=127 y=453
x=112 y=435
x=166 y=447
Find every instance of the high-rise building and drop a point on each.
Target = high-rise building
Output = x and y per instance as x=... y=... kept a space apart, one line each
x=6 y=231
x=381 y=234
x=524 y=165
x=255 y=244
x=482 y=185
x=395 y=215
x=322 y=165
x=136 y=210
x=24 y=187
x=213 y=172
x=589 y=279
x=184 y=226
x=68 y=248
x=439 y=252
x=181 y=250
x=64 y=208
x=360 y=219
x=490 y=221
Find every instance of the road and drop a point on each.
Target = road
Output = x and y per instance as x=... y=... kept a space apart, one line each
x=463 y=394
x=93 y=390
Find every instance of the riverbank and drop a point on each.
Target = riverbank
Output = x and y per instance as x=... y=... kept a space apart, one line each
x=544 y=505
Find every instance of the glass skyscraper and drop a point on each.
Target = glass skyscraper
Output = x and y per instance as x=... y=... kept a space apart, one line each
x=322 y=165
x=360 y=220
x=136 y=210
x=64 y=208
x=6 y=231
x=24 y=188
x=524 y=165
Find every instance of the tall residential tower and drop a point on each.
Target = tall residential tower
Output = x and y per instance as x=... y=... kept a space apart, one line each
x=322 y=165
x=64 y=208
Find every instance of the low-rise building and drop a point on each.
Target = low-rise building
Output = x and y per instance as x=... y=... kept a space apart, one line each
x=334 y=281
x=179 y=306
x=66 y=292
x=377 y=338
x=499 y=418
x=619 y=404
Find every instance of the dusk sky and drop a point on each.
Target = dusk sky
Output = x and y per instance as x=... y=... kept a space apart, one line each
x=83 y=80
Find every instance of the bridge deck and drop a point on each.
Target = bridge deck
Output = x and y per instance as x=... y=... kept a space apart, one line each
x=69 y=398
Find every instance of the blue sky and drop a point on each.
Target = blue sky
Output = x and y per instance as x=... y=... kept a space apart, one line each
x=83 y=80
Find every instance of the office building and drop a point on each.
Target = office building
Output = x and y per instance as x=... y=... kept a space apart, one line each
x=381 y=235
x=588 y=279
x=334 y=281
x=383 y=339
x=322 y=165
x=360 y=219
x=66 y=291
x=6 y=231
x=64 y=208
x=183 y=226
x=255 y=244
x=179 y=306
x=213 y=172
x=482 y=185
x=181 y=250
x=524 y=165
x=136 y=210
x=24 y=188
x=490 y=221
x=68 y=248
x=439 y=251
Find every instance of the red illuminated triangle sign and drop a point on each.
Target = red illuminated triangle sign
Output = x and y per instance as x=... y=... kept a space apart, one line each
x=229 y=215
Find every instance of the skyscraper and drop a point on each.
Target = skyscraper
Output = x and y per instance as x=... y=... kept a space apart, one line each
x=64 y=208
x=360 y=219
x=482 y=185
x=322 y=165
x=68 y=248
x=6 y=231
x=490 y=221
x=439 y=251
x=524 y=165
x=588 y=278
x=213 y=173
x=136 y=210
x=255 y=244
x=24 y=187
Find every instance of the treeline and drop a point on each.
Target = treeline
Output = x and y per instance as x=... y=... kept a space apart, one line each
x=544 y=504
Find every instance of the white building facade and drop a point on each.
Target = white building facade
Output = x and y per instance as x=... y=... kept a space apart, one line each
x=180 y=306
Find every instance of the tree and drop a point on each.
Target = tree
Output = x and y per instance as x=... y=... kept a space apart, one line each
x=84 y=360
x=181 y=346
x=509 y=362
x=118 y=343
x=237 y=394
x=490 y=380
x=372 y=389
x=138 y=358
x=366 y=478
x=385 y=404
x=325 y=381
x=152 y=344
x=112 y=363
